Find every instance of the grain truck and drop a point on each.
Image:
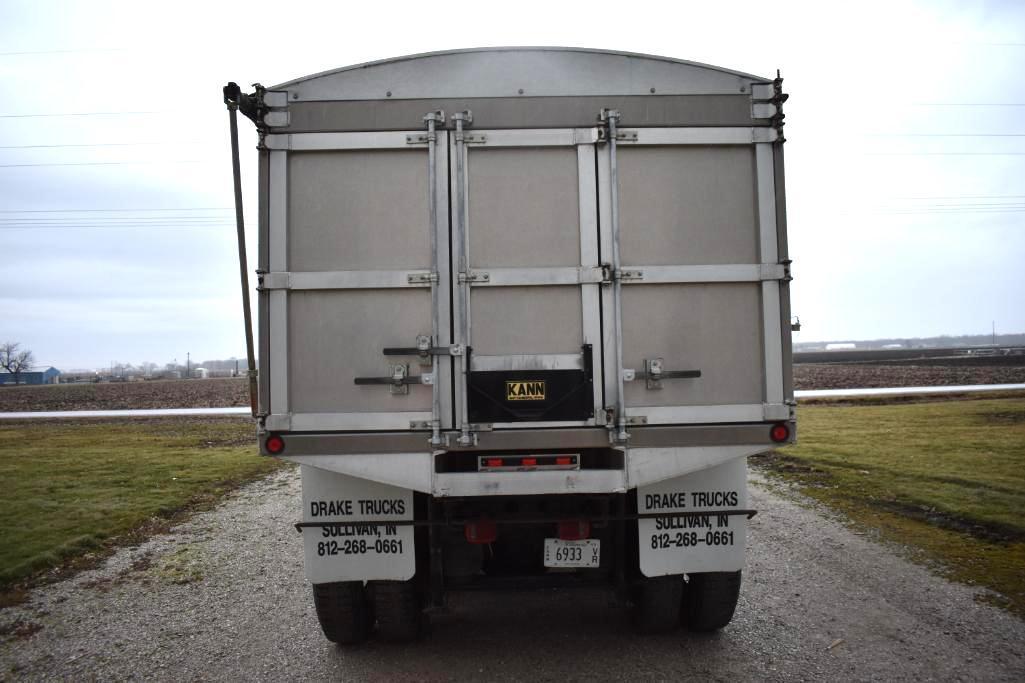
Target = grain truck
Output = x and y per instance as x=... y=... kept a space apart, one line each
x=523 y=314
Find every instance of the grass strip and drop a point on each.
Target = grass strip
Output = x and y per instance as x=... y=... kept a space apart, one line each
x=71 y=488
x=946 y=479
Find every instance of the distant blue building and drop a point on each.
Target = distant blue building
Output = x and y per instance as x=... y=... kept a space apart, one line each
x=33 y=376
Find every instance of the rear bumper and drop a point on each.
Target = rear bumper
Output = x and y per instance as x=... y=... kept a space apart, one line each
x=368 y=443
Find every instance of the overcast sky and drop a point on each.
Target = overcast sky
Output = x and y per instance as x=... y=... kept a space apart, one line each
x=905 y=152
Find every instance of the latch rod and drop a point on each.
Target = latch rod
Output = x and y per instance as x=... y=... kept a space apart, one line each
x=232 y=97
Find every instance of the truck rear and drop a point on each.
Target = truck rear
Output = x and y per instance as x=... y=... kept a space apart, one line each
x=523 y=314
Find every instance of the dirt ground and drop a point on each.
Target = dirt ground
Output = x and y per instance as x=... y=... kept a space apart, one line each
x=222 y=597
x=219 y=393
x=864 y=376
x=191 y=393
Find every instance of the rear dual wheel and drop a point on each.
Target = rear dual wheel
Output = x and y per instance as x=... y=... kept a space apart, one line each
x=343 y=611
x=400 y=618
x=710 y=600
x=706 y=602
x=347 y=610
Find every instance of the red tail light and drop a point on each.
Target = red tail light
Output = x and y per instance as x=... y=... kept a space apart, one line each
x=529 y=462
x=481 y=531
x=274 y=444
x=779 y=433
x=574 y=529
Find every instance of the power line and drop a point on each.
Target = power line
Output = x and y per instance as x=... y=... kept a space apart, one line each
x=106 y=163
x=130 y=227
x=967 y=196
x=81 y=113
x=957 y=154
x=944 y=134
x=98 y=144
x=196 y=208
x=60 y=52
x=967 y=104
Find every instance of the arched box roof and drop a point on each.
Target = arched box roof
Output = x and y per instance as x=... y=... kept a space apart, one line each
x=518 y=72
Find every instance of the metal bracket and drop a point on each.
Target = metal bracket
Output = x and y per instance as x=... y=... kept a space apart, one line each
x=637 y=420
x=466 y=117
x=474 y=276
x=777 y=411
x=653 y=368
x=437 y=117
x=421 y=278
x=399 y=380
x=630 y=275
x=655 y=372
x=424 y=349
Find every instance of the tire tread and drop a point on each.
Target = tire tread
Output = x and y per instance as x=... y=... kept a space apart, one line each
x=343 y=611
x=711 y=600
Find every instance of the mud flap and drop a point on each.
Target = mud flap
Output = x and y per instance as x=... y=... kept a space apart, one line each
x=712 y=542
x=354 y=551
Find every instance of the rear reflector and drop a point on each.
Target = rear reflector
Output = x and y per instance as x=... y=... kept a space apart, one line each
x=779 y=433
x=574 y=529
x=274 y=444
x=481 y=531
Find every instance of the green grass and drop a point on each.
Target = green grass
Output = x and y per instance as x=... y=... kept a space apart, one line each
x=72 y=488
x=947 y=479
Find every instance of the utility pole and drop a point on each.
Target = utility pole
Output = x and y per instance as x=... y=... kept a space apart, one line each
x=994 y=332
x=188 y=365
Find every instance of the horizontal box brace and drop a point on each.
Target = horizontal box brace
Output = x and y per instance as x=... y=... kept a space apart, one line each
x=756 y=272
x=346 y=279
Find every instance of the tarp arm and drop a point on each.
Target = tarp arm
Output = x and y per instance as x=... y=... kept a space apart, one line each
x=232 y=98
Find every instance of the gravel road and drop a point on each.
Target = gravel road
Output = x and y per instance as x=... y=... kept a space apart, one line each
x=222 y=597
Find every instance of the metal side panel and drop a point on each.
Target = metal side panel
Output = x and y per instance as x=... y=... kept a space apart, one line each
x=530 y=217
x=524 y=112
x=337 y=336
x=714 y=328
x=351 y=274
x=701 y=277
x=358 y=210
x=684 y=205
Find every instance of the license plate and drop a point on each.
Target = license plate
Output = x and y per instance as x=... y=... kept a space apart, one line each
x=559 y=553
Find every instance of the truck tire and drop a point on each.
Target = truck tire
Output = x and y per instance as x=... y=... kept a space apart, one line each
x=397 y=608
x=710 y=600
x=657 y=603
x=343 y=611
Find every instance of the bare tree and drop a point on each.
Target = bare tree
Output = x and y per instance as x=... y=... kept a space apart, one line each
x=15 y=361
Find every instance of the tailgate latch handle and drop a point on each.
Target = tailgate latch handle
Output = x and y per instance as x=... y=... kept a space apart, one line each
x=399 y=380
x=655 y=372
x=425 y=349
